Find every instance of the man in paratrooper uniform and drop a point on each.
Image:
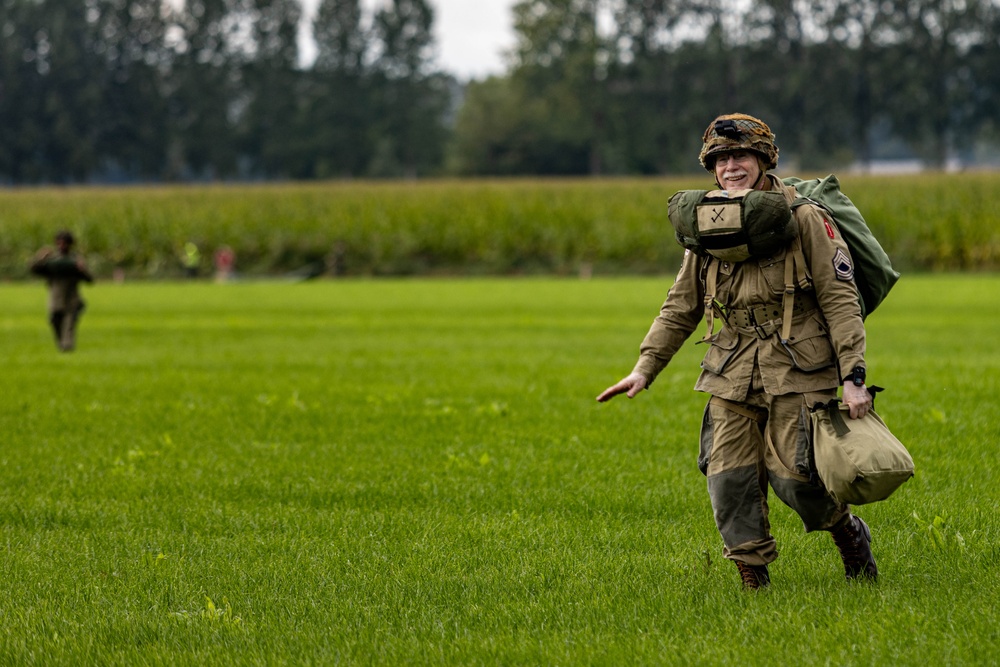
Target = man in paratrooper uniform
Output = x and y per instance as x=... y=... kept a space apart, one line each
x=764 y=373
x=63 y=270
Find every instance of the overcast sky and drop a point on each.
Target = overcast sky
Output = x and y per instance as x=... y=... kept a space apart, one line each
x=471 y=35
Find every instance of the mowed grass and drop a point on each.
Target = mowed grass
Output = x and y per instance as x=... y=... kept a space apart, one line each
x=416 y=472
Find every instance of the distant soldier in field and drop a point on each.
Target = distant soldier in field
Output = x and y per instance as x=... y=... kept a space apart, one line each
x=63 y=270
x=762 y=376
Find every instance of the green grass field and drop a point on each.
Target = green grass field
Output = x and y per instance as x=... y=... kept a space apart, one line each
x=416 y=472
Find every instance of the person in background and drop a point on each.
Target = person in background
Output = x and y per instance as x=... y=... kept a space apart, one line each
x=225 y=263
x=63 y=270
x=755 y=429
x=191 y=259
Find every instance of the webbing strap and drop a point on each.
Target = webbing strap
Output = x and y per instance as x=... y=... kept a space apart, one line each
x=759 y=416
x=801 y=273
x=795 y=274
x=711 y=285
x=788 y=299
x=832 y=408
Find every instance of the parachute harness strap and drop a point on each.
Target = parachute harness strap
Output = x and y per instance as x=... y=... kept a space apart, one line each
x=795 y=276
x=711 y=285
x=788 y=299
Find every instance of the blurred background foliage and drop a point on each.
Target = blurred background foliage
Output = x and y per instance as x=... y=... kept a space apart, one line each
x=563 y=226
x=110 y=91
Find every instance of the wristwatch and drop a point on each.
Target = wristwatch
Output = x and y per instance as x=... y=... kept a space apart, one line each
x=857 y=376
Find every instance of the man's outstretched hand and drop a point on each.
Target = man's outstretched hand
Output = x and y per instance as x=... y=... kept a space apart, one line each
x=630 y=386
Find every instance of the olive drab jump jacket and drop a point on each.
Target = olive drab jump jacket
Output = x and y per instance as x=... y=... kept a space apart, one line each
x=827 y=337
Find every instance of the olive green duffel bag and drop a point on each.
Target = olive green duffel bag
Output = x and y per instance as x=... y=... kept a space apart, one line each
x=858 y=460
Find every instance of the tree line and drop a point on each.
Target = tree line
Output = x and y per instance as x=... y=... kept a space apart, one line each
x=139 y=90
x=214 y=89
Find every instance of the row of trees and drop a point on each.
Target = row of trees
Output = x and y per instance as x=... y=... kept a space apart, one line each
x=210 y=89
x=205 y=89
x=628 y=86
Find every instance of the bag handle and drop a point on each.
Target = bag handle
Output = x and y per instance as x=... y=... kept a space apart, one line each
x=832 y=408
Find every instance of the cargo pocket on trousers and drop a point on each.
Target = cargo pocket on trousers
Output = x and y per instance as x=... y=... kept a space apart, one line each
x=805 y=453
x=804 y=458
x=706 y=439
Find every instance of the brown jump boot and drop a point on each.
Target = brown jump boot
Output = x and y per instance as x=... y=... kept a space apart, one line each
x=854 y=540
x=754 y=576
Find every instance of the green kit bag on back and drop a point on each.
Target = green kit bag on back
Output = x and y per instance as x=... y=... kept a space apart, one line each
x=858 y=460
x=873 y=272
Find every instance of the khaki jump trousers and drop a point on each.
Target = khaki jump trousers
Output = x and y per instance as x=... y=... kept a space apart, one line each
x=746 y=446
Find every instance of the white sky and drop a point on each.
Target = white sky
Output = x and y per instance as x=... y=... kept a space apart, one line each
x=471 y=35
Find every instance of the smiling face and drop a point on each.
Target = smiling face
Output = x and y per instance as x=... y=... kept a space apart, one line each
x=737 y=170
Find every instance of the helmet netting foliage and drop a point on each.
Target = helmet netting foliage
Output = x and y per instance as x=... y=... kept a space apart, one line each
x=737 y=131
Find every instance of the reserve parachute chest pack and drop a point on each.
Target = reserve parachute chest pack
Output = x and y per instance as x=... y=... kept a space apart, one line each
x=736 y=225
x=731 y=225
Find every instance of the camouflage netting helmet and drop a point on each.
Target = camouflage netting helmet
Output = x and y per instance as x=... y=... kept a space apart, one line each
x=734 y=132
